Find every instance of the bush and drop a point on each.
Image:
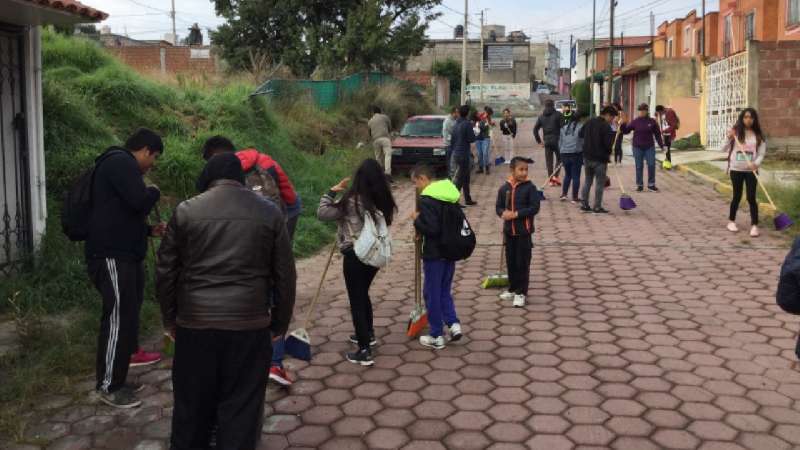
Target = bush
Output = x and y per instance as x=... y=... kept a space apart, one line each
x=399 y=101
x=691 y=141
x=582 y=93
x=450 y=69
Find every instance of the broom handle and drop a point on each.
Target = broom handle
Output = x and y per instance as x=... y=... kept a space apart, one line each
x=417 y=254
x=763 y=188
x=619 y=180
x=503 y=248
x=558 y=166
x=319 y=287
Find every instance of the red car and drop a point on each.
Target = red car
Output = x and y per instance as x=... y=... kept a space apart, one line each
x=420 y=141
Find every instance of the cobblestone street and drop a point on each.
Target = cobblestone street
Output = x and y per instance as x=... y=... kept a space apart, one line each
x=649 y=329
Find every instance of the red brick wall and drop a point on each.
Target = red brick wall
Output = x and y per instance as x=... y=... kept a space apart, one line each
x=779 y=88
x=421 y=78
x=178 y=60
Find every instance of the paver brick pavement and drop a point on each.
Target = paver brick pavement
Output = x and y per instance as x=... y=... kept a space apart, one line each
x=653 y=328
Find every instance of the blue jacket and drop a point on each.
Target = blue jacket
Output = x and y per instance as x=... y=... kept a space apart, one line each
x=463 y=136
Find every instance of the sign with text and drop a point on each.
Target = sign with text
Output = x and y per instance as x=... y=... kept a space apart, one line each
x=500 y=90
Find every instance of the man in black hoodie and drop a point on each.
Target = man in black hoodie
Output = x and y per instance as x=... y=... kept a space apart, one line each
x=550 y=123
x=598 y=139
x=115 y=251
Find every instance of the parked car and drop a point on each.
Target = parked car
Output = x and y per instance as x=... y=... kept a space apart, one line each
x=420 y=141
x=543 y=89
x=560 y=105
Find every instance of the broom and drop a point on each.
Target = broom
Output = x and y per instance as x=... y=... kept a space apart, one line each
x=626 y=202
x=418 y=319
x=168 y=341
x=298 y=343
x=541 y=189
x=499 y=279
x=782 y=221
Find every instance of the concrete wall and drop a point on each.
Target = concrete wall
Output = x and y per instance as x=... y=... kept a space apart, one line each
x=170 y=60
x=451 y=49
x=676 y=78
x=546 y=56
x=778 y=98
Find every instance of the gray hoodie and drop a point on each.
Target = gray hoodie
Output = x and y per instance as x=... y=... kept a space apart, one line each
x=570 y=142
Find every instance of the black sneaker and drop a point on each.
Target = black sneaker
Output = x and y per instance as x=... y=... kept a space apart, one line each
x=362 y=357
x=488 y=170
x=372 y=341
x=600 y=211
x=471 y=203
x=122 y=399
x=639 y=189
x=652 y=189
x=586 y=208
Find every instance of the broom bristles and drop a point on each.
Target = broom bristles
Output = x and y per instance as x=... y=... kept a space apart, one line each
x=415 y=327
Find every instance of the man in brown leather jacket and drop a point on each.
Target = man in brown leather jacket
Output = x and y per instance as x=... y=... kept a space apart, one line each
x=223 y=252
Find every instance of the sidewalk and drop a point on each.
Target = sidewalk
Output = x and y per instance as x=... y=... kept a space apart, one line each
x=647 y=329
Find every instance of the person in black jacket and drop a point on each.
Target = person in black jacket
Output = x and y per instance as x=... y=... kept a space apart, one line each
x=508 y=126
x=115 y=250
x=517 y=204
x=597 y=141
x=463 y=136
x=224 y=253
x=435 y=196
x=550 y=123
x=788 y=293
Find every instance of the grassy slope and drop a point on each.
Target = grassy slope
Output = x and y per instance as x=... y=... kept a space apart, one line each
x=90 y=102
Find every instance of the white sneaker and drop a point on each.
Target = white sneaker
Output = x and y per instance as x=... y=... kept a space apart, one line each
x=432 y=342
x=519 y=301
x=455 y=332
x=754 y=231
x=732 y=227
x=507 y=296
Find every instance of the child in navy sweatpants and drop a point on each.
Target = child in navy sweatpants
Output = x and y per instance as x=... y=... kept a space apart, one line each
x=438 y=271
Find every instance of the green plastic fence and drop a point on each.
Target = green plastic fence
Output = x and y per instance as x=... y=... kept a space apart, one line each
x=326 y=93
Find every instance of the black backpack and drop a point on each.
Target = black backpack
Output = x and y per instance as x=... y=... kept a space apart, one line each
x=788 y=294
x=458 y=238
x=77 y=207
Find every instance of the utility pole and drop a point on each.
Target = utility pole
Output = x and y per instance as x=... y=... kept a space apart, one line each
x=591 y=85
x=610 y=65
x=703 y=36
x=174 y=31
x=480 y=76
x=570 y=65
x=464 y=55
x=652 y=24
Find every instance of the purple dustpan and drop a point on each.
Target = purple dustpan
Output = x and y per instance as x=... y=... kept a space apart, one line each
x=783 y=221
x=626 y=203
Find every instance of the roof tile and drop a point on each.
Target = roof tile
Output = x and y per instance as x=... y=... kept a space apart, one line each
x=73 y=7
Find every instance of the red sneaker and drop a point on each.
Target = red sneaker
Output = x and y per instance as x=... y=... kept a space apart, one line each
x=143 y=358
x=280 y=376
x=557 y=181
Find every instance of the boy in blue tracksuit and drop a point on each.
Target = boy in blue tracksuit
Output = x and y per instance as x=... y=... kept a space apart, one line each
x=438 y=280
x=517 y=204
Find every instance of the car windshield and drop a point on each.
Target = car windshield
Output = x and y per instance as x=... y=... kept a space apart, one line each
x=422 y=128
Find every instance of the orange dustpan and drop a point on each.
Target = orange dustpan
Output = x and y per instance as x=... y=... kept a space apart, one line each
x=418 y=319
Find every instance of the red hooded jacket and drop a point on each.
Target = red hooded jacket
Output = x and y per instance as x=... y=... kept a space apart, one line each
x=250 y=157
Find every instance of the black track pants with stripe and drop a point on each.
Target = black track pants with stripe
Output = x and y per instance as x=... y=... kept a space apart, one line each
x=121 y=285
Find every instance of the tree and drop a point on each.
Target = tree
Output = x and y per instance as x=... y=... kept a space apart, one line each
x=335 y=35
x=450 y=69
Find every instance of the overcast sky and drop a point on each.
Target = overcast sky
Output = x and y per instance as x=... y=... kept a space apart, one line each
x=540 y=19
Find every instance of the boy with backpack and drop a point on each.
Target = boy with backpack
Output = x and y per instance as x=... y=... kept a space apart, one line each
x=517 y=204
x=447 y=238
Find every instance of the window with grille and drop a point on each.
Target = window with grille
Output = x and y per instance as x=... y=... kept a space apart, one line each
x=699 y=38
x=619 y=59
x=793 y=12
x=687 y=39
x=749 y=26
x=727 y=36
x=670 y=52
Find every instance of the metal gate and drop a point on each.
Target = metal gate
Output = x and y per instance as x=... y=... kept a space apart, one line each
x=15 y=214
x=727 y=96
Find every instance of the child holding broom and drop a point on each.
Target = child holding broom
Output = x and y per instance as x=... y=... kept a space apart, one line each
x=746 y=150
x=438 y=266
x=517 y=215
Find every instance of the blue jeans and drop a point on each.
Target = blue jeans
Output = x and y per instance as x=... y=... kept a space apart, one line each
x=278 y=350
x=483 y=147
x=438 y=296
x=573 y=162
x=640 y=155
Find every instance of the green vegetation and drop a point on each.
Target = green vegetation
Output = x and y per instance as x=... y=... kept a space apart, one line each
x=91 y=101
x=691 y=141
x=450 y=69
x=581 y=92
